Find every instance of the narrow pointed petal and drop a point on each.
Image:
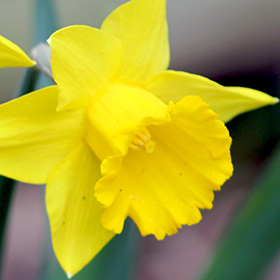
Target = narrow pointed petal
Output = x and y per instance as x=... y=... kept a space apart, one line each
x=142 y=28
x=227 y=102
x=165 y=189
x=84 y=60
x=13 y=56
x=34 y=138
x=74 y=213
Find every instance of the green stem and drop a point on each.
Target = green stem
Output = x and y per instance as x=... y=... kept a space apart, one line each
x=6 y=191
x=46 y=20
x=29 y=81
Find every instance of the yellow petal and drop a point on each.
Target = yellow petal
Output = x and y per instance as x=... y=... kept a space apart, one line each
x=227 y=102
x=142 y=28
x=118 y=113
x=34 y=138
x=74 y=213
x=84 y=59
x=13 y=56
x=164 y=189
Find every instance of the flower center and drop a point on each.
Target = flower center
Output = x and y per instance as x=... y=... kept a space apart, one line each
x=143 y=141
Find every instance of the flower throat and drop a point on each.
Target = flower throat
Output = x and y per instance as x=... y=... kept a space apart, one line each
x=143 y=141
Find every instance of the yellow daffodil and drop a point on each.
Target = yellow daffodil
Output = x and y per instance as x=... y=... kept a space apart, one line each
x=119 y=135
x=12 y=56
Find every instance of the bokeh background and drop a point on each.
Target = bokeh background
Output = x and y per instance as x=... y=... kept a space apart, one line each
x=232 y=42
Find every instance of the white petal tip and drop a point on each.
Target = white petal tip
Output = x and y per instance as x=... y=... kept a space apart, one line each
x=69 y=275
x=276 y=99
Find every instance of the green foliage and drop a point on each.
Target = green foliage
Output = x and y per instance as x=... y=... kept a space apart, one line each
x=254 y=238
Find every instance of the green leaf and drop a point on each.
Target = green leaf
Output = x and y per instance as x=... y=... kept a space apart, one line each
x=254 y=238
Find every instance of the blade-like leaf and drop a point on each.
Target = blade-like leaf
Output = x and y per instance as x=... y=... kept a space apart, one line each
x=254 y=238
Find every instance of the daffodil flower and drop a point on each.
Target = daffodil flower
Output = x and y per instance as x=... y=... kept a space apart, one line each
x=119 y=135
x=12 y=56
